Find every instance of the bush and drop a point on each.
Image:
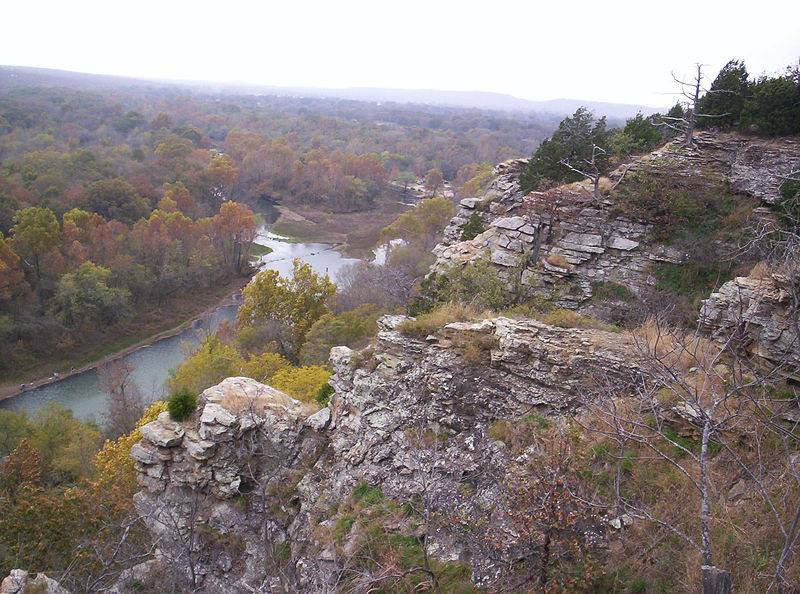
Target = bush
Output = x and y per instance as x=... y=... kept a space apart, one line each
x=476 y=283
x=324 y=394
x=473 y=228
x=370 y=495
x=182 y=404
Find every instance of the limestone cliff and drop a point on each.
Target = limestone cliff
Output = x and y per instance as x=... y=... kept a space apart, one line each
x=243 y=496
x=563 y=238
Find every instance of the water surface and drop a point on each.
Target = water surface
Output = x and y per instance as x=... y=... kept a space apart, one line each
x=81 y=392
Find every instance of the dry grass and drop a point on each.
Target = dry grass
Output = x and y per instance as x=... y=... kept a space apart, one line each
x=559 y=261
x=675 y=348
x=429 y=323
x=760 y=271
x=567 y=318
x=745 y=538
x=475 y=347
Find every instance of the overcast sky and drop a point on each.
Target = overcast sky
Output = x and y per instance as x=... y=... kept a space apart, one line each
x=618 y=51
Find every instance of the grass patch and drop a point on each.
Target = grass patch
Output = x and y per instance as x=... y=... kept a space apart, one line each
x=693 y=280
x=257 y=250
x=368 y=494
x=611 y=292
x=342 y=527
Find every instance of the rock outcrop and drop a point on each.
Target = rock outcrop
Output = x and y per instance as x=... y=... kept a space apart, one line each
x=206 y=481
x=759 y=315
x=19 y=581
x=252 y=472
x=259 y=492
x=566 y=240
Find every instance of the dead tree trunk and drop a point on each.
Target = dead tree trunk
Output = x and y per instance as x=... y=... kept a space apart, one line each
x=716 y=581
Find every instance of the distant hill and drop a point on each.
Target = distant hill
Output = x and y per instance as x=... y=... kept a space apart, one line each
x=479 y=99
x=17 y=76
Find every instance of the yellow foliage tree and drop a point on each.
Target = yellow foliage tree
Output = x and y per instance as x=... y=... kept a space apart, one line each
x=209 y=365
x=112 y=466
x=302 y=383
x=295 y=303
x=262 y=367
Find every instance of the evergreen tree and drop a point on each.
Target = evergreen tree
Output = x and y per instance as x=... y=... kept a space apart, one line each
x=577 y=150
x=726 y=97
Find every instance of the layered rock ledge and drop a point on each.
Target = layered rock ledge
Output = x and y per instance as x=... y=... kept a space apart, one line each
x=565 y=238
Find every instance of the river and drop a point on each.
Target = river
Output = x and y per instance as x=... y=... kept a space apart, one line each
x=81 y=392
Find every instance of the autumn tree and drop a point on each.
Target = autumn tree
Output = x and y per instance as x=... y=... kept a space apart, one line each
x=35 y=232
x=117 y=199
x=473 y=179
x=294 y=303
x=208 y=365
x=14 y=427
x=350 y=328
x=65 y=444
x=405 y=179
x=422 y=225
x=433 y=181
x=220 y=174
x=86 y=297
x=302 y=383
x=236 y=229
x=12 y=278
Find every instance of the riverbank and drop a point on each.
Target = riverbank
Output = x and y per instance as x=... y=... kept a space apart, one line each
x=150 y=327
x=354 y=233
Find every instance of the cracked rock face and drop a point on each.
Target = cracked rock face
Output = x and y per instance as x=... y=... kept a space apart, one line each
x=759 y=313
x=245 y=440
x=252 y=468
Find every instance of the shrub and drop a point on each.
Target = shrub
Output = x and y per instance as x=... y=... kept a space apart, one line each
x=182 y=404
x=363 y=491
x=476 y=283
x=473 y=228
x=324 y=394
x=303 y=383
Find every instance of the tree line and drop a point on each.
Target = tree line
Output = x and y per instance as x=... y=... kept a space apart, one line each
x=585 y=147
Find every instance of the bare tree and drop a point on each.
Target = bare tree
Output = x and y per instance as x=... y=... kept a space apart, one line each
x=125 y=403
x=723 y=399
x=691 y=91
x=592 y=167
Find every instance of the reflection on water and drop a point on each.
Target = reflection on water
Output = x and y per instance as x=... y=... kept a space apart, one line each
x=152 y=364
x=324 y=259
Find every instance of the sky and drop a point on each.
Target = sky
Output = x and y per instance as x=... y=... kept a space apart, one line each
x=616 y=51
